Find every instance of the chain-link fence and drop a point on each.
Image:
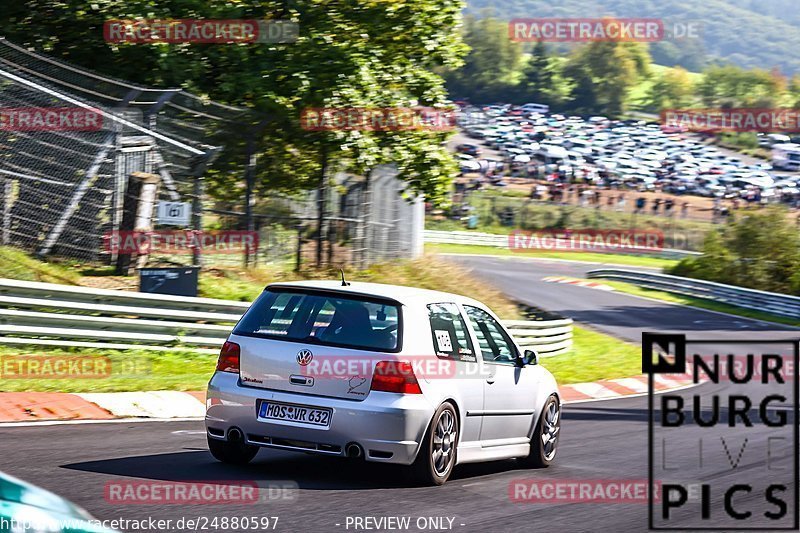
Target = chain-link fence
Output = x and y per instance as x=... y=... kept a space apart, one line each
x=70 y=192
x=71 y=140
x=366 y=220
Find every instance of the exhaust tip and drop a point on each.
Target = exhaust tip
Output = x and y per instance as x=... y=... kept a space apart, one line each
x=354 y=450
x=235 y=435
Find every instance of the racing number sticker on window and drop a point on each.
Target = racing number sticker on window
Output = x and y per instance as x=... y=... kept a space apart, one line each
x=443 y=340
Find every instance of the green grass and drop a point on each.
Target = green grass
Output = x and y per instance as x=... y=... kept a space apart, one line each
x=616 y=259
x=594 y=356
x=129 y=370
x=635 y=290
x=16 y=264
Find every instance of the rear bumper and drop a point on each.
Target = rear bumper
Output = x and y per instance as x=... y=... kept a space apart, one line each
x=389 y=427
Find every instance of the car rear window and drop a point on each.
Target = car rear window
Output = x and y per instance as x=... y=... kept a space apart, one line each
x=323 y=318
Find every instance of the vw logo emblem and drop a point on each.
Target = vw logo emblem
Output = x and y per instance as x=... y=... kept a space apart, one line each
x=304 y=357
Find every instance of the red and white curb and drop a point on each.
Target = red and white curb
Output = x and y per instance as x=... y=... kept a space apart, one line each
x=607 y=389
x=49 y=406
x=158 y=404
x=24 y=407
x=578 y=282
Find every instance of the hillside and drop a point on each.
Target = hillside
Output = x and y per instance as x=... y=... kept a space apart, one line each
x=748 y=33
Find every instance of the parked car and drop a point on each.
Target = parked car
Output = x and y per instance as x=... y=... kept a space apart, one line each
x=469 y=149
x=467 y=163
x=494 y=401
x=23 y=504
x=786 y=156
x=535 y=108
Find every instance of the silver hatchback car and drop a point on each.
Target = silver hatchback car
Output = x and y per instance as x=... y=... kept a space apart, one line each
x=383 y=373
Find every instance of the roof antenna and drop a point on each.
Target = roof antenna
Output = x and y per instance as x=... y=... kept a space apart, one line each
x=344 y=282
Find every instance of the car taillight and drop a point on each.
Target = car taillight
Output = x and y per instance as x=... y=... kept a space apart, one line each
x=395 y=376
x=229 y=358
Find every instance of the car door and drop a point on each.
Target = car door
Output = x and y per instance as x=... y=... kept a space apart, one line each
x=509 y=390
x=452 y=341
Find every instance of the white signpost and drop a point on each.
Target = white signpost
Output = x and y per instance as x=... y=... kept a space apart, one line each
x=174 y=213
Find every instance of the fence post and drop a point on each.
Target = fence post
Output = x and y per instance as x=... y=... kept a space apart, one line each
x=249 y=199
x=197 y=217
x=298 y=259
x=137 y=213
x=6 y=206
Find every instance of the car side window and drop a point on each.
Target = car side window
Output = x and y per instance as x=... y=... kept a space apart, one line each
x=450 y=337
x=495 y=344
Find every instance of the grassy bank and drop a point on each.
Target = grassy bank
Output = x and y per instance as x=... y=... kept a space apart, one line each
x=109 y=370
x=595 y=356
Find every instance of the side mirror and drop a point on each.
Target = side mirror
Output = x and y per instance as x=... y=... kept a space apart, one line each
x=529 y=357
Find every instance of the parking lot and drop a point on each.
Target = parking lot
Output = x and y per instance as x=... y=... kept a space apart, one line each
x=570 y=159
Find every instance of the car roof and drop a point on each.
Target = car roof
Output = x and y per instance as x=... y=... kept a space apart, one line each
x=400 y=293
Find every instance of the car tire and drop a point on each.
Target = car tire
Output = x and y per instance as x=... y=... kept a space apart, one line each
x=232 y=453
x=544 y=442
x=441 y=439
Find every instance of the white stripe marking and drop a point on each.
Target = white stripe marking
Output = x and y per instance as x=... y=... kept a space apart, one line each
x=158 y=404
x=594 y=390
x=631 y=383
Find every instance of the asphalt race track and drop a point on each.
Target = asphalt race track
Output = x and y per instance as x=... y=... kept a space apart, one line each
x=618 y=314
x=600 y=440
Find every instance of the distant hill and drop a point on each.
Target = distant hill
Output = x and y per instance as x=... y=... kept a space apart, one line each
x=748 y=33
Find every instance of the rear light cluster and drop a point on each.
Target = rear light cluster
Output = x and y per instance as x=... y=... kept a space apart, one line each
x=229 y=358
x=395 y=376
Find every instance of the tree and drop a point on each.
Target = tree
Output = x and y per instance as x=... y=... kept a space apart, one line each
x=492 y=68
x=758 y=250
x=538 y=75
x=731 y=86
x=349 y=54
x=542 y=81
x=607 y=70
x=793 y=89
x=672 y=89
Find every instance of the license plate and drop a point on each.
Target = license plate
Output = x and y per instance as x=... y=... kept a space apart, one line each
x=300 y=414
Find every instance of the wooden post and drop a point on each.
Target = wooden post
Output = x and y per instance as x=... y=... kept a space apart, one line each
x=137 y=213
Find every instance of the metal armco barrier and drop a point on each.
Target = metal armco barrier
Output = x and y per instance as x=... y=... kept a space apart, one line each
x=768 y=302
x=48 y=314
x=546 y=337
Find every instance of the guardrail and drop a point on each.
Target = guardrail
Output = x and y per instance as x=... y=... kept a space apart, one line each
x=546 y=337
x=47 y=314
x=769 y=302
x=476 y=238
